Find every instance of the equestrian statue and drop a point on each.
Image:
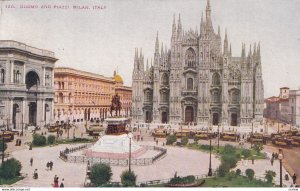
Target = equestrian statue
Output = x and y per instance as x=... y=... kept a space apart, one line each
x=115 y=105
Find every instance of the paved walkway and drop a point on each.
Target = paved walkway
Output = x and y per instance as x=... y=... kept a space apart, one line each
x=191 y=162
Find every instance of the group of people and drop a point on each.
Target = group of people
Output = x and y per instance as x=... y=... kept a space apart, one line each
x=56 y=182
x=49 y=165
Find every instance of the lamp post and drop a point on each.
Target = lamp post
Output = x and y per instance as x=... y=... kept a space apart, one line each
x=209 y=169
x=68 y=128
x=280 y=157
x=22 y=124
x=218 y=137
x=251 y=136
x=3 y=143
x=130 y=135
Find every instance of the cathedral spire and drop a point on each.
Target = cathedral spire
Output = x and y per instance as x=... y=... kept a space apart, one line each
x=162 y=49
x=179 y=28
x=208 y=17
x=243 y=50
x=219 y=33
x=225 y=43
x=230 y=52
x=250 y=52
x=202 y=26
x=254 y=51
x=156 y=43
x=174 y=27
x=258 y=52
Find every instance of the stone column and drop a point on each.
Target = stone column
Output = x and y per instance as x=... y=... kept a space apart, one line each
x=43 y=109
x=51 y=111
x=11 y=71
x=24 y=74
x=44 y=76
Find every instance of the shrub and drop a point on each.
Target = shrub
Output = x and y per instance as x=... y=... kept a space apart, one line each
x=258 y=148
x=1 y=146
x=39 y=140
x=128 y=178
x=182 y=180
x=223 y=169
x=246 y=153
x=50 y=139
x=238 y=172
x=231 y=160
x=196 y=139
x=205 y=147
x=10 y=169
x=100 y=174
x=231 y=175
x=250 y=173
x=184 y=140
x=171 y=139
x=270 y=175
x=229 y=149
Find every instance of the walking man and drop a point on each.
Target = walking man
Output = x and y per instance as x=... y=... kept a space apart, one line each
x=31 y=161
x=294 y=178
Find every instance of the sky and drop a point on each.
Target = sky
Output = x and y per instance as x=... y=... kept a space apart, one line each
x=104 y=40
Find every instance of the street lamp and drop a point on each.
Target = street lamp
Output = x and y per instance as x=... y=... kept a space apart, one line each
x=218 y=137
x=209 y=168
x=68 y=128
x=280 y=157
x=130 y=135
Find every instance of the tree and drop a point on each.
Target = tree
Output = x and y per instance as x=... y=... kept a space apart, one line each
x=250 y=173
x=229 y=149
x=258 y=148
x=10 y=169
x=184 y=140
x=100 y=174
x=171 y=139
x=50 y=139
x=128 y=178
x=269 y=175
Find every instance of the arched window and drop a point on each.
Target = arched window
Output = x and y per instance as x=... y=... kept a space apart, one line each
x=60 y=98
x=190 y=84
x=216 y=79
x=190 y=58
x=165 y=79
x=235 y=97
x=2 y=75
x=164 y=97
x=215 y=97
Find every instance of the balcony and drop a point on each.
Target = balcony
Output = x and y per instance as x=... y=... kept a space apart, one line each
x=192 y=93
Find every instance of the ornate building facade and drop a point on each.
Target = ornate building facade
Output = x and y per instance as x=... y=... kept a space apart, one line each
x=198 y=80
x=82 y=96
x=26 y=84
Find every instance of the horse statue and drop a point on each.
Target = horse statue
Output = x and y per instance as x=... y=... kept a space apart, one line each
x=115 y=105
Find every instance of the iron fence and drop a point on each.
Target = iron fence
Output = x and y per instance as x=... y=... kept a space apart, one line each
x=64 y=155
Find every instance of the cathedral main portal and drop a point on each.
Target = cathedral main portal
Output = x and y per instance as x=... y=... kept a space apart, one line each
x=189 y=114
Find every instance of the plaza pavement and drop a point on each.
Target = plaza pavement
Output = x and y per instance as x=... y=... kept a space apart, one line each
x=180 y=160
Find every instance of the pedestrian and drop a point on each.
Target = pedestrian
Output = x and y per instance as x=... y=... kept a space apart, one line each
x=272 y=161
x=142 y=138
x=48 y=165
x=51 y=165
x=35 y=174
x=31 y=161
x=157 y=142
x=56 y=182
x=273 y=155
x=294 y=178
x=62 y=184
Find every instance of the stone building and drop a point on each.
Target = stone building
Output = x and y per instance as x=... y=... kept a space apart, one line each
x=198 y=80
x=82 y=96
x=294 y=101
x=26 y=84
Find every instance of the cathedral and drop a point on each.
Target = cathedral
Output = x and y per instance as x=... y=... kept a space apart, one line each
x=198 y=80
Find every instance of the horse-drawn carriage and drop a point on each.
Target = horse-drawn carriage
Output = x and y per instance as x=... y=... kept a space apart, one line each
x=258 y=138
x=160 y=133
x=184 y=133
x=95 y=129
x=229 y=136
x=204 y=135
x=7 y=136
x=281 y=141
x=53 y=128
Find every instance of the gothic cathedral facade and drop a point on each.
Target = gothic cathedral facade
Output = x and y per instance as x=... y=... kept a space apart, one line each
x=198 y=81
